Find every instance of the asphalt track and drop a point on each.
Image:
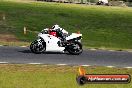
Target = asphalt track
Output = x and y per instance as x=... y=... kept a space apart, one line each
x=23 y=55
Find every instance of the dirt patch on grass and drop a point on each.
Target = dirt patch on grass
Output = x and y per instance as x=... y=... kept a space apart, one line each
x=8 y=38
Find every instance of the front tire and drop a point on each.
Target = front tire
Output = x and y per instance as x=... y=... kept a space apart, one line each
x=75 y=48
x=37 y=46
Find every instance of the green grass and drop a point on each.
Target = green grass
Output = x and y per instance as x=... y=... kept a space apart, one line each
x=14 y=43
x=41 y=76
x=101 y=26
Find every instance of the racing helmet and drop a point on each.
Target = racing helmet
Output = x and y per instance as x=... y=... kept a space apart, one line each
x=55 y=27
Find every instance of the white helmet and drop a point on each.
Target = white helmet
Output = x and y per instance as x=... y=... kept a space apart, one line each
x=55 y=27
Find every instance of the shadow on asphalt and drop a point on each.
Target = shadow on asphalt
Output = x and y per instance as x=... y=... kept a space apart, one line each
x=28 y=51
x=25 y=51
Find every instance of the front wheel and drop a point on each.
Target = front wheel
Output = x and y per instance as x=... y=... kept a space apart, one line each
x=37 y=46
x=75 y=48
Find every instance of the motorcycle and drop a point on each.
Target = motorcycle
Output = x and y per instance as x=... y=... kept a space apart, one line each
x=102 y=3
x=49 y=41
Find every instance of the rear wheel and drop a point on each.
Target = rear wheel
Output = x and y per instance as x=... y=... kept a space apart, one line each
x=37 y=46
x=75 y=48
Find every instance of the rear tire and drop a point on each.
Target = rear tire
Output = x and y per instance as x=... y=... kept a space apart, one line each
x=75 y=48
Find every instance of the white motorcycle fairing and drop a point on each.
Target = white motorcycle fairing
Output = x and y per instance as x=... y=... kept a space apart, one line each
x=51 y=43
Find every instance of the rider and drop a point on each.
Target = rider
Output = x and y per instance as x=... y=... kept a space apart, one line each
x=60 y=32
